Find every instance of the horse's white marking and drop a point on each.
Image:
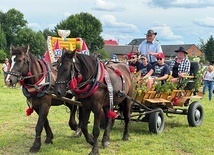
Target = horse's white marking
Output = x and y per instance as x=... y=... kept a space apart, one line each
x=11 y=67
x=74 y=60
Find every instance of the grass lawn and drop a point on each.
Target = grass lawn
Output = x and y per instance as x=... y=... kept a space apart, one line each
x=17 y=132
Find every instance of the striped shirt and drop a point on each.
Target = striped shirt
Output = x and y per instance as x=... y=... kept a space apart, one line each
x=183 y=67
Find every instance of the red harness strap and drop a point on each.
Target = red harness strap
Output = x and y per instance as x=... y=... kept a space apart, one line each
x=86 y=90
x=32 y=89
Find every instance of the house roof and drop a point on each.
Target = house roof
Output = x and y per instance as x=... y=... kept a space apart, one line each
x=169 y=50
x=110 y=42
x=121 y=49
x=137 y=41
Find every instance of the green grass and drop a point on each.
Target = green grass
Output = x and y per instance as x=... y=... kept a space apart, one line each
x=17 y=132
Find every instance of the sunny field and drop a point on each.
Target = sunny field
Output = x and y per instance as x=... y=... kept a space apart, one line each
x=17 y=132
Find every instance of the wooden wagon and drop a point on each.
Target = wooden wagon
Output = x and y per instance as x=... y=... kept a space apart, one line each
x=150 y=106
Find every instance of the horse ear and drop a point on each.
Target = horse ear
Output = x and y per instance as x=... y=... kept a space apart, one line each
x=63 y=50
x=26 y=48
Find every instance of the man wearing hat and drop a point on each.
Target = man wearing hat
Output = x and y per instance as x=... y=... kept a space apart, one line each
x=180 y=65
x=150 y=47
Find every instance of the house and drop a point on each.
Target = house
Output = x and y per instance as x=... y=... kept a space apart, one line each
x=110 y=42
x=168 y=50
x=120 y=51
x=191 y=49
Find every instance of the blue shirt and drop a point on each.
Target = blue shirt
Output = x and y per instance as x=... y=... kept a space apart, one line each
x=160 y=70
x=146 y=47
x=145 y=69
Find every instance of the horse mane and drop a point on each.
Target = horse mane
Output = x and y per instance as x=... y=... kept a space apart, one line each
x=88 y=64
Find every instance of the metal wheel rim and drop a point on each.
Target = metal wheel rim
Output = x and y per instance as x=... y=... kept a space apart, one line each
x=159 y=122
x=197 y=115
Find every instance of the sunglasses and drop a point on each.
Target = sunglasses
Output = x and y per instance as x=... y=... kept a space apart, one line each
x=132 y=57
x=159 y=58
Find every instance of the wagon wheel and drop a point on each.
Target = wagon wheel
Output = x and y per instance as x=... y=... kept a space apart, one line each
x=156 y=121
x=195 y=114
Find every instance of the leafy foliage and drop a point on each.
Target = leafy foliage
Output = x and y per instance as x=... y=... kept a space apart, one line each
x=3 y=55
x=3 y=41
x=167 y=87
x=36 y=40
x=11 y=22
x=209 y=50
x=86 y=26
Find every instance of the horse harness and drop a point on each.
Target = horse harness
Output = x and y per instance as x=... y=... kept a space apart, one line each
x=87 y=88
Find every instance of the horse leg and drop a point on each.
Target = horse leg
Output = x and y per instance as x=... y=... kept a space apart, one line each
x=49 y=133
x=96 y=130
x=84 y=126
x=126 y=107
x=106 y=135
x=42 y=112
x=72 y=121
x=78 y=132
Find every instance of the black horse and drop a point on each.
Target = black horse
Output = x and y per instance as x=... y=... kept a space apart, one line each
x=37 y=79
x=95 y=85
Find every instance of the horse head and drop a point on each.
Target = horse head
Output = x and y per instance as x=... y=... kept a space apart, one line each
x=65 y=72
x=75 y=70
x=18 y=64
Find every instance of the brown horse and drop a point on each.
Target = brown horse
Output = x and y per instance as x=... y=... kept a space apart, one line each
x=86 y=77
x=37 y=79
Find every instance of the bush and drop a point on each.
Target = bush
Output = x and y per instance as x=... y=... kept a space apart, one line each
x=3 y=55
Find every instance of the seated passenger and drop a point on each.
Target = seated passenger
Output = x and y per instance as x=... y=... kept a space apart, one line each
x=144 y=68
x=159 y=71
x=180 y=65
x=135 y=62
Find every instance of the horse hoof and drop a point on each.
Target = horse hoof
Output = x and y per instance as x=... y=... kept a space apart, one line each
x=105 y=144
x=93 y=153
x=34 y=149
x=125 y=138
x=78 y=133
x=48 y=141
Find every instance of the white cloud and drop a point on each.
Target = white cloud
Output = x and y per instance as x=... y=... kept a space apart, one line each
x=34 y=26
x=121 y=38
x=180 y=3
x=206 y=22
x=106 y=5
x=166 y=34
x=110 y=23
x=67 y=14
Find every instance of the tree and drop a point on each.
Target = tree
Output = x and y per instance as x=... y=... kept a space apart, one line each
x=85 y=26
x=35 y=40
x=11 y=22
x=209 y=50
x=3 y=41
x=103 y=54
x=2 y=55
x=47 y=32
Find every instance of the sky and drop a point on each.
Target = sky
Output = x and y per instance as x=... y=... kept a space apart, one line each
x=175 y=21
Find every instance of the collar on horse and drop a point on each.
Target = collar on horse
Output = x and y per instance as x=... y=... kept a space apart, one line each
x=86 y=89
x=39 y=88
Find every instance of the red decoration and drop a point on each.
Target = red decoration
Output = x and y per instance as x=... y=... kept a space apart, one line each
x=175 y=100
x=118 y=72
x=79 y=78
x=29 y=74
x=22 y=82
x=111 y=114
x=131 y=68
x=73 y=83
x=29 y=111
x=129 y=55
